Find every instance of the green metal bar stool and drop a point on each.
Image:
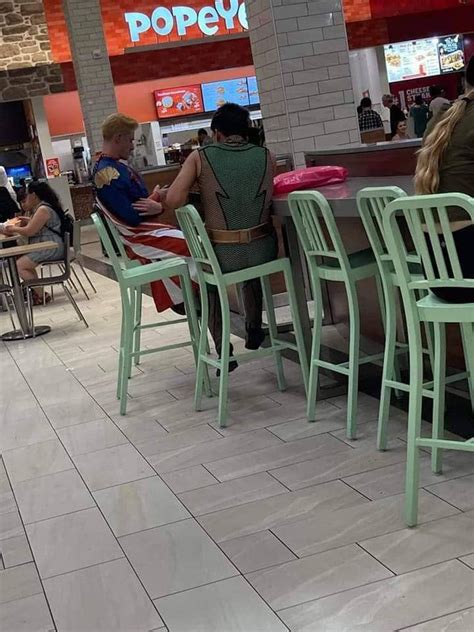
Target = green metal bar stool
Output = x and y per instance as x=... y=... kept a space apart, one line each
x=210 y=274
x=428 y=224
x=328 y=261
x=132 y=276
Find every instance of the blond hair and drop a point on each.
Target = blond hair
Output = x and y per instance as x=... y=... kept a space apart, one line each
x=431 y=154
x=118 y=124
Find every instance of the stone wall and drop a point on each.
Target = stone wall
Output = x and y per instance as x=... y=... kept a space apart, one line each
x=26 y=64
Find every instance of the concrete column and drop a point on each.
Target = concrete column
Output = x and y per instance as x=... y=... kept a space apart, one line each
x=91 y=66
x=302 y=65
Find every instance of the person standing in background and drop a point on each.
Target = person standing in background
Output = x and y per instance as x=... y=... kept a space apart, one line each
x=438 y=100
x=368 y=118
x=396 y=114
x=402 y=132
x=419 y=113
x=204 y=138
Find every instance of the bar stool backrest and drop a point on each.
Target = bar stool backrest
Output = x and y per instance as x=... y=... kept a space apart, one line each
x=316 y=227
x=198 y=241
x=117 y=262
x=372 y=202
x=427 y=218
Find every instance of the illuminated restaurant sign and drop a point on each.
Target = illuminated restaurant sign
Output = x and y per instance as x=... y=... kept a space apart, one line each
x=220 y=17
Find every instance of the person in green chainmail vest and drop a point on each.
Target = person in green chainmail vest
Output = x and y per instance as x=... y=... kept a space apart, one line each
x=235 y=180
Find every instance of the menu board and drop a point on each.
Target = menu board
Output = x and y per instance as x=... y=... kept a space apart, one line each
x=175 y=102
x=219 y=92
x=412 y=60
x=254 y=98
x=451 y=53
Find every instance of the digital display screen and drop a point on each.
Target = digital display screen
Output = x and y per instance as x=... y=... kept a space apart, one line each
x=254 y=97
x=230 y=91
x=451 y=53
x=22 y=171
x=412 y=60
x=175 y=102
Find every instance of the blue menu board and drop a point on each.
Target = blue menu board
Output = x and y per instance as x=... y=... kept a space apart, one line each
x=219 y=92
x=254 y=97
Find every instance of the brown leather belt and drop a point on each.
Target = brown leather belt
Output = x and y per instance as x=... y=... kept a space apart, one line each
x=245 y=236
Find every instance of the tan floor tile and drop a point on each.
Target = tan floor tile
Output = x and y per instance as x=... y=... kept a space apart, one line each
x=177 y=440
x=15 y=551
x=278 y=510
x=28 y=429
x=112 y=466
x=52 y=495
x=212 y=450
x=279 y=456
x=328 y=419
x=19 y=582
x=137 y=429
x=72 y=411
x=28 y=615
x=176 y=557
x=10 y=525
x=105 y=597
x=430 y=592
x=232 y=493
x=469 y=560
x=456 y=622
x=390 y=480
x=459 y=491
x=431 y=543
x=188 y=479
x=91 y=436
x=139 y=505
x=316 y=576
x=36 y=460
x=72 y=542
x=332 y=529
x=342 y=465
x=230 y=605
x=256 y=551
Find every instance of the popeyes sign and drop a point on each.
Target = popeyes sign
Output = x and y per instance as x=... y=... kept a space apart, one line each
x=223 y=16
x=135 y=23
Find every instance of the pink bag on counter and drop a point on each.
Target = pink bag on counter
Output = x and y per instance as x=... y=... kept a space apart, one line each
x=309 y=178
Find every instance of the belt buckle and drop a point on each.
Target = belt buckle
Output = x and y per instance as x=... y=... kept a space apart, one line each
x=244 y=237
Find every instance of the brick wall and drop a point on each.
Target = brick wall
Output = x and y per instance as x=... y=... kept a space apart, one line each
x=26 y=67
x=91 y=66
x=301 y=61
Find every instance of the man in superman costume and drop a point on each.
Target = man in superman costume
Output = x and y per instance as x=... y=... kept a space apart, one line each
x=126 y=202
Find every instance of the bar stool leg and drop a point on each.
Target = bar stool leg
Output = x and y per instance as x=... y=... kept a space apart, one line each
x=354 y=345
x=387 y=372
x=126 y=358
x=439 y=387
x=224 y=361
x=137 y=317
x=203 y=346
x=297 y=327
x=414 y=426
x=315 y=347
x=273 y=331
x=467 y=332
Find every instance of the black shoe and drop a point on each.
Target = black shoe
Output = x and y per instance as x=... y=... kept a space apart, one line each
x=254 y=338
x=179 y=309
x=233 y=364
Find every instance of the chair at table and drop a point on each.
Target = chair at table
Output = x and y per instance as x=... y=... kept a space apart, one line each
x=427 y=219
x=210 y=274
x=58 y=279
x=328 y=260
x=132 y=276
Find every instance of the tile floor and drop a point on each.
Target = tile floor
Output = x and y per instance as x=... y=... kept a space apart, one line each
x=161 y=520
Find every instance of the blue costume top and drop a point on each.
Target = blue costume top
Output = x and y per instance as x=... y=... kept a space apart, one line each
x=118 y=186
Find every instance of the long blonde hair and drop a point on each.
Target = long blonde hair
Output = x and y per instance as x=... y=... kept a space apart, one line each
x=430 y=155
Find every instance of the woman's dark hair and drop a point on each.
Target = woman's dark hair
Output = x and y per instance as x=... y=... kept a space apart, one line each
x=231 y=120
x=365 y=102
x=47 y=195
x=419 y=99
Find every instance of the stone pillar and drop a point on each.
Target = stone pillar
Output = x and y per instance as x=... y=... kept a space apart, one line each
x=301 y=61
x=91 y=66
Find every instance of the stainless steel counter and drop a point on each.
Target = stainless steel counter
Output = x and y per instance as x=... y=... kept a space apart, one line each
x=342 y=197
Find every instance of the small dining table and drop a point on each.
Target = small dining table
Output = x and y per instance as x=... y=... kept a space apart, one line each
x=11 y=255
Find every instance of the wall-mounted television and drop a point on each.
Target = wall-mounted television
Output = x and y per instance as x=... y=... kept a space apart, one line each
x=217 y=93
x=424 y=58
x=174 y=102
x=21 y=171
x=254 y=98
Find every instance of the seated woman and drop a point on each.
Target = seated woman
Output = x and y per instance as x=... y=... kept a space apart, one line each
x=8 y=201
x=446 y=165
x=44 y=224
